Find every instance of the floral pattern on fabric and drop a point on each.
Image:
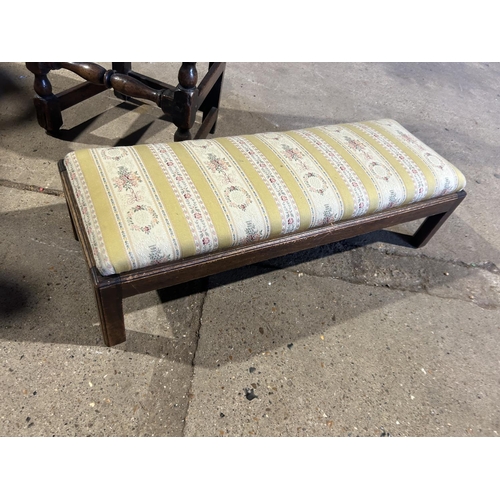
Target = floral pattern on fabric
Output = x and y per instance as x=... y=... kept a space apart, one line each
x=157 y=255
x=233 y=190
x=308 y=173
x=288 y=210
x=195 y=212
x=253 y=234
x=88 y=213
x=160 y=203
x=142 y=218
x=350 y=178
x=237 y=197
x=127 y=181
x=114 y=154
x=445 y=175
x=412 y=170
x=390 y=188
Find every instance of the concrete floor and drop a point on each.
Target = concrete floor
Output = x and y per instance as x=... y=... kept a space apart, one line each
x=360 y=338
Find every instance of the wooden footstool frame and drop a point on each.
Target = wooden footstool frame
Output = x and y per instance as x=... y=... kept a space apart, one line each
x=111 y=290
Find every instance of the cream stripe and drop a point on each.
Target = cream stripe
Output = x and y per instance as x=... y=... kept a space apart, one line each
x=140 y=210
x=354 y=194
x=161 y=191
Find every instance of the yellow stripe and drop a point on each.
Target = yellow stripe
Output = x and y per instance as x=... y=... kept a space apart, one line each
x=180 y=226
x=364 y=178
x=206 y=193
x=292 y=185
x=264 y=194
x=110 y=231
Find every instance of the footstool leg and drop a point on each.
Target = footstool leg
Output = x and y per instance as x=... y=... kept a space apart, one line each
x=430 y=226
x=110 y=305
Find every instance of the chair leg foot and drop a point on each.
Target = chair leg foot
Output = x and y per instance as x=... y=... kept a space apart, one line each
x=182 y=134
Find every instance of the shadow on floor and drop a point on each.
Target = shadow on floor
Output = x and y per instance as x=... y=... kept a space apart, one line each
x=48 y=296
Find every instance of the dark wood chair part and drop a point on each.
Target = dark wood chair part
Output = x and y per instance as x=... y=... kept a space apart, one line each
x=179 y=103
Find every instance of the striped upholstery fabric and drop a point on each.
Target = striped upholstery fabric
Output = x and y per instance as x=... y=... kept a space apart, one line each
x=148 y=204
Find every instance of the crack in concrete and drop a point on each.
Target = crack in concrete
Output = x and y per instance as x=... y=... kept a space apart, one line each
x=21 y=186
x=423 y=288
x=69 y=250
x=195 y=350
x=487 y=306
x=486 y=265
x=483 y=266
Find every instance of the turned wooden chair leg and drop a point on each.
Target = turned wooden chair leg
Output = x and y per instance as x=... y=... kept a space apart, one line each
x=48 y=109
x=430 y=226
x=110 y=306
x=185 y=97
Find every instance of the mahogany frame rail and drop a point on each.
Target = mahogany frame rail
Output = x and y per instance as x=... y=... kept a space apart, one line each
x=179 y=104
x=111 y=290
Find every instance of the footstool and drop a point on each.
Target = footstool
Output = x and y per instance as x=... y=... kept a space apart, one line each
x=156 y=215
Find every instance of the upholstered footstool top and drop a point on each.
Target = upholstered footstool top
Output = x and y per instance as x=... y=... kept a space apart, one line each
x=147 y=204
